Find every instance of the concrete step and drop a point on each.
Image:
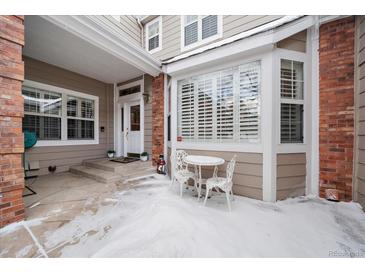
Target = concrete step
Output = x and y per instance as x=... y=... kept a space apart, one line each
x=124 y=169
x=100 y=164
x=99 y=175
x=140 y=173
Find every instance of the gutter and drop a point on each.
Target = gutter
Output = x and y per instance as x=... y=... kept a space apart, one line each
x=260 y=29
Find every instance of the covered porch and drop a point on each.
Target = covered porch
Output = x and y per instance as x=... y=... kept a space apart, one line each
x=82 y=60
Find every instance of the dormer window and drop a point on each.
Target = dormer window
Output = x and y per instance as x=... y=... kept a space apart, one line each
x=154 y=35
x=200 y=29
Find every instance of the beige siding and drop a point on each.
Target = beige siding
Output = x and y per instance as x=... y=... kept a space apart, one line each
x=127 y=25
x=232 y=25
x=360 y=113
x=296 y=42
x=131 y=28
x=247 y=177
x=291 y=175
x=65 y=156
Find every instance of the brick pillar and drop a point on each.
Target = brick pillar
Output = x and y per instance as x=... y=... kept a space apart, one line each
x=157 y=116
x=336 y=86
x=11 y=113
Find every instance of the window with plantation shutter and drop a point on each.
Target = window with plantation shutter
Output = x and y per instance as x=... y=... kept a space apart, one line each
x=221 y=107
x=205 y=109
x=209 y=26
x=249 y=100
x=186 y=110
x=225 y=104
x=199 y=29
x=292 y=101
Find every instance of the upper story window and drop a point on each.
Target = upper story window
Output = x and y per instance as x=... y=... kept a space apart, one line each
x=154 y=35
x=292 y=101
x=221 y=107
x=200 y=29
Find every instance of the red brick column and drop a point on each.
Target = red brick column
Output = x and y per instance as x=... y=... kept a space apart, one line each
x=11 y=113
x=336 y=86
x=157 y=116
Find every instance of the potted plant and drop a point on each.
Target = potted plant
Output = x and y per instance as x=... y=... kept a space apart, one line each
x=111 y=153
x=144 y=156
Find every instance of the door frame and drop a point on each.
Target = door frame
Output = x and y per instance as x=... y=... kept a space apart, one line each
x=123 y=102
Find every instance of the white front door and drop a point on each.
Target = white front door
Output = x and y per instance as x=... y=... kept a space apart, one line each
x=132 y=127
x=129 y=116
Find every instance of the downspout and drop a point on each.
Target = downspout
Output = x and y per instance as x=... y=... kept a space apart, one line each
x=141 y=30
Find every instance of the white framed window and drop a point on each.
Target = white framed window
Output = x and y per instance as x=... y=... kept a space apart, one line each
x=291 y=101
x=153 y=35
x=60 y=116
x=197 y=30
x=221 y=107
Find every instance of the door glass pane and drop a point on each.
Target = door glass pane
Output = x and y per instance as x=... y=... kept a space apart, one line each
x=135 y=118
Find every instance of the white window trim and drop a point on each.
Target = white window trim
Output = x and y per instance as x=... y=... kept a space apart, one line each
x=159 y=19
x=65 y=93
x=299 y=57
x=254 y=146
x=200 y=41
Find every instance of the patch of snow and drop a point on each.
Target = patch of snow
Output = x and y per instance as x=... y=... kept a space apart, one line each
x=35 y=240
x=15 y=226
x=35 y=204
x=24 y=251
x=151 y=220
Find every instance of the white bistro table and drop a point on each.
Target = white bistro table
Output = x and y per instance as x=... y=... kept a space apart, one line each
x=198 y=161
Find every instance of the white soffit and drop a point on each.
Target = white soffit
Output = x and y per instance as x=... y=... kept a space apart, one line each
x=56 y=45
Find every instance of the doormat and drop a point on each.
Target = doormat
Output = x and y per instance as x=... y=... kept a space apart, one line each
x=125 y=160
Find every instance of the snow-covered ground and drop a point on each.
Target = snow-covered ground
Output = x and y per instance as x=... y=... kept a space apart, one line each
x=151 y=220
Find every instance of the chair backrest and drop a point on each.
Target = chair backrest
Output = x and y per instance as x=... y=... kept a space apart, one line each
x=230 y=168
x=179 y=159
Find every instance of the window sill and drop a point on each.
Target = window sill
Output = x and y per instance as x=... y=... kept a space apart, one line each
x=292 y=148
x=199 y=43
x=238 y=147
x=52 y=143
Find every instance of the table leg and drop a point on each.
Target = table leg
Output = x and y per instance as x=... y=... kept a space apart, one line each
x=200 y=181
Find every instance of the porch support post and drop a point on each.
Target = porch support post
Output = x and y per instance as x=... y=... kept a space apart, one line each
x=158 y=117
x=269 y=124
x=312 y=180
x=11 y=113
x=173 y=121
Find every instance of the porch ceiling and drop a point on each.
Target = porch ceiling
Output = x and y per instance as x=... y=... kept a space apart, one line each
x=69 y=43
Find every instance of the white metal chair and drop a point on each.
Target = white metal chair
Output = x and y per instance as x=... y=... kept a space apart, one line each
x=181 y=172
x=224 y=184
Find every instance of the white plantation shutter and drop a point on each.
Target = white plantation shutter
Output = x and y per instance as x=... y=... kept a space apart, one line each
x=205 y=109
x=209 y=26
x=191 y=33
x=186 y=110
x=249 y=77
x=225 y=97
x=221 y=106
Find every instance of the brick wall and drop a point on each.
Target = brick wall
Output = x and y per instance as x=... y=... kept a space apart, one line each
x=336 y=137
x=157 y=116
x=11 y=113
